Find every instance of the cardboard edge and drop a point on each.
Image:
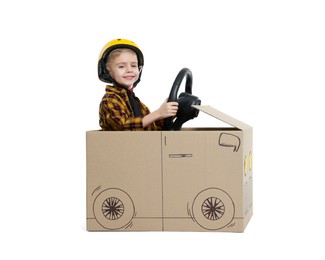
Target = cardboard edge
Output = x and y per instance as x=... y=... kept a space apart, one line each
x=222 y=116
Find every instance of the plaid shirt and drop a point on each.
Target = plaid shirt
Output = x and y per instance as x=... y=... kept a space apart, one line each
x=115 y=112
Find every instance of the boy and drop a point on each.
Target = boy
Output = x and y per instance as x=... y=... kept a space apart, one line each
x=120 y=64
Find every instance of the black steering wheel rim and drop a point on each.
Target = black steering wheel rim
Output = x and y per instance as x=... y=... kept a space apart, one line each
x=178 y=81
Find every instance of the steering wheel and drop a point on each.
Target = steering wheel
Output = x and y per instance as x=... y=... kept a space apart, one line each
x=185 y=101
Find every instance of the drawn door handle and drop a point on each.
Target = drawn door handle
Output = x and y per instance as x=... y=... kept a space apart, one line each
x=180 y=155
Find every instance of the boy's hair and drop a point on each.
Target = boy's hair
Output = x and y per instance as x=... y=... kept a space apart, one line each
x=113 y=54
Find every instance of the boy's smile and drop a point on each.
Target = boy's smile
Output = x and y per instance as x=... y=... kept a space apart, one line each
x=129 y=77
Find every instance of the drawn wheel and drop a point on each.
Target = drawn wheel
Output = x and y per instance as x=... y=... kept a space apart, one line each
x=213 y=209
x=113 y=209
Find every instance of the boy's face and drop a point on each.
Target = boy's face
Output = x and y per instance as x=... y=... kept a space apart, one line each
x=124 y=68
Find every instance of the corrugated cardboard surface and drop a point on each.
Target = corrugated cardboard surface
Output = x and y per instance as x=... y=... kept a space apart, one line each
x=190 y=180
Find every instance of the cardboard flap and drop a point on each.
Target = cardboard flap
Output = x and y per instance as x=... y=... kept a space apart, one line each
x=222 y=116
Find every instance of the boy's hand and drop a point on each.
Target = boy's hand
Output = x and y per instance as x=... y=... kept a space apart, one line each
x=168 y=109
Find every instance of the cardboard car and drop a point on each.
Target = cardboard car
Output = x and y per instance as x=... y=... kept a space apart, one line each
x=196 y=179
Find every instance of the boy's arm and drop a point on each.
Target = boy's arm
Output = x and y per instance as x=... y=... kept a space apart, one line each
x=150 y=118
x=166 y=110
x=114 y=116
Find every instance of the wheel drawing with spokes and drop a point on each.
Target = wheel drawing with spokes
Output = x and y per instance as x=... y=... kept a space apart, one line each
x=113 y=208
x=213 y=209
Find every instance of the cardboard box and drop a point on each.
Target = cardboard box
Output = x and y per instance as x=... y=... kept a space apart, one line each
x=196 y=179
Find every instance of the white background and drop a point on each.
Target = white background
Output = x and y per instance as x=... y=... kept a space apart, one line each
x=262 y=62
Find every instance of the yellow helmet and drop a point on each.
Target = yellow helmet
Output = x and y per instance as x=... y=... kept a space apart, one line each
x=103 y=74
